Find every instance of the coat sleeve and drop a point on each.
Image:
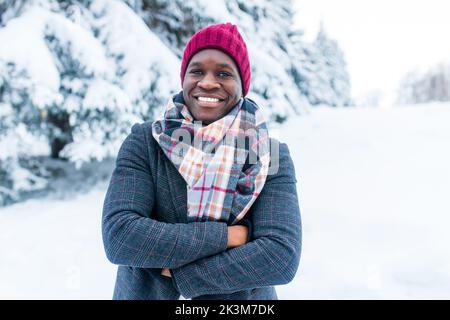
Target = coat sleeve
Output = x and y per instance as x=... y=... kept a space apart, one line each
x=130 y=236
x=272 y=258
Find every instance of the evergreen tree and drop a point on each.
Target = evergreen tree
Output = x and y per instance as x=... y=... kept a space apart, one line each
x=422 y=87
x=22 y=133
x=333 y=78
x=10 y=9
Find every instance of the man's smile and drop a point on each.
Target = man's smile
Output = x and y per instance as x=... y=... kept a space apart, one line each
x=206 y=101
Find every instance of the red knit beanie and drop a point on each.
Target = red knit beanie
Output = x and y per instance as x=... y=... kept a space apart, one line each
x=224 y=37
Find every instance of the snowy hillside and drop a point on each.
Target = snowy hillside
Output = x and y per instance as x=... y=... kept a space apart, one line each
x=373 y=186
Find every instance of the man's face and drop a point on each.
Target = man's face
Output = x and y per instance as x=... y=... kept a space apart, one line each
x=211 y=86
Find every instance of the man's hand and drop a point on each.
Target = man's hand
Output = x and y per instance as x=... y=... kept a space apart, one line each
x=166 y=272
x=237 y=236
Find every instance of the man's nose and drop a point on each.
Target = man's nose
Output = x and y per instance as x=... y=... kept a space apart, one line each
x=208 y=82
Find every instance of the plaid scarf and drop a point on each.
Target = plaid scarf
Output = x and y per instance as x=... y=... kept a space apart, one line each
x=224 y=164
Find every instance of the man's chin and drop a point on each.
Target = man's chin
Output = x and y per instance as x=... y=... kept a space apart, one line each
x=206 y=118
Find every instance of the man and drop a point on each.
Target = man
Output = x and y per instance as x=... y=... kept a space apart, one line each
x=202 y=220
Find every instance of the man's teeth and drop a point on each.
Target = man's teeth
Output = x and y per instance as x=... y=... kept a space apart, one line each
x=205 y=99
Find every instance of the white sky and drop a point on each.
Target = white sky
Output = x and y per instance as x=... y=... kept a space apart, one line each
x=381 y=39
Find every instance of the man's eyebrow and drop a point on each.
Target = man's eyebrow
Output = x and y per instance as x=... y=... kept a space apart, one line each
x=196 y=64
x=224 y=65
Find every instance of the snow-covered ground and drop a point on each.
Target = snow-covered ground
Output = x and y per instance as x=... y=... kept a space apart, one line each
x=374 y=186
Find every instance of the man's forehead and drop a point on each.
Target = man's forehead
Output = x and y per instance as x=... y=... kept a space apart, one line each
x=225 y=60
x=221 y=64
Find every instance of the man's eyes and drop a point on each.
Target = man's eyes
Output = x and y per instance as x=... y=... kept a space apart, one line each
x=196 y=71
x=221 y=74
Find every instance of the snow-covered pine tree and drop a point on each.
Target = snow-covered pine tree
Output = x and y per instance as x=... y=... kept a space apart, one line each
x=173 y=21
x=96 y=113
x=267 y=27
x=145 y=68
x=22 y=134
x=409 y=89
x=306 y=66
x=10 y=9
x=331 y=83
x=421 y=87
x=60 y=101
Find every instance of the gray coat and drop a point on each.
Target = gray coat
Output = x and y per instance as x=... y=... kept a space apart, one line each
x=145 y=229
